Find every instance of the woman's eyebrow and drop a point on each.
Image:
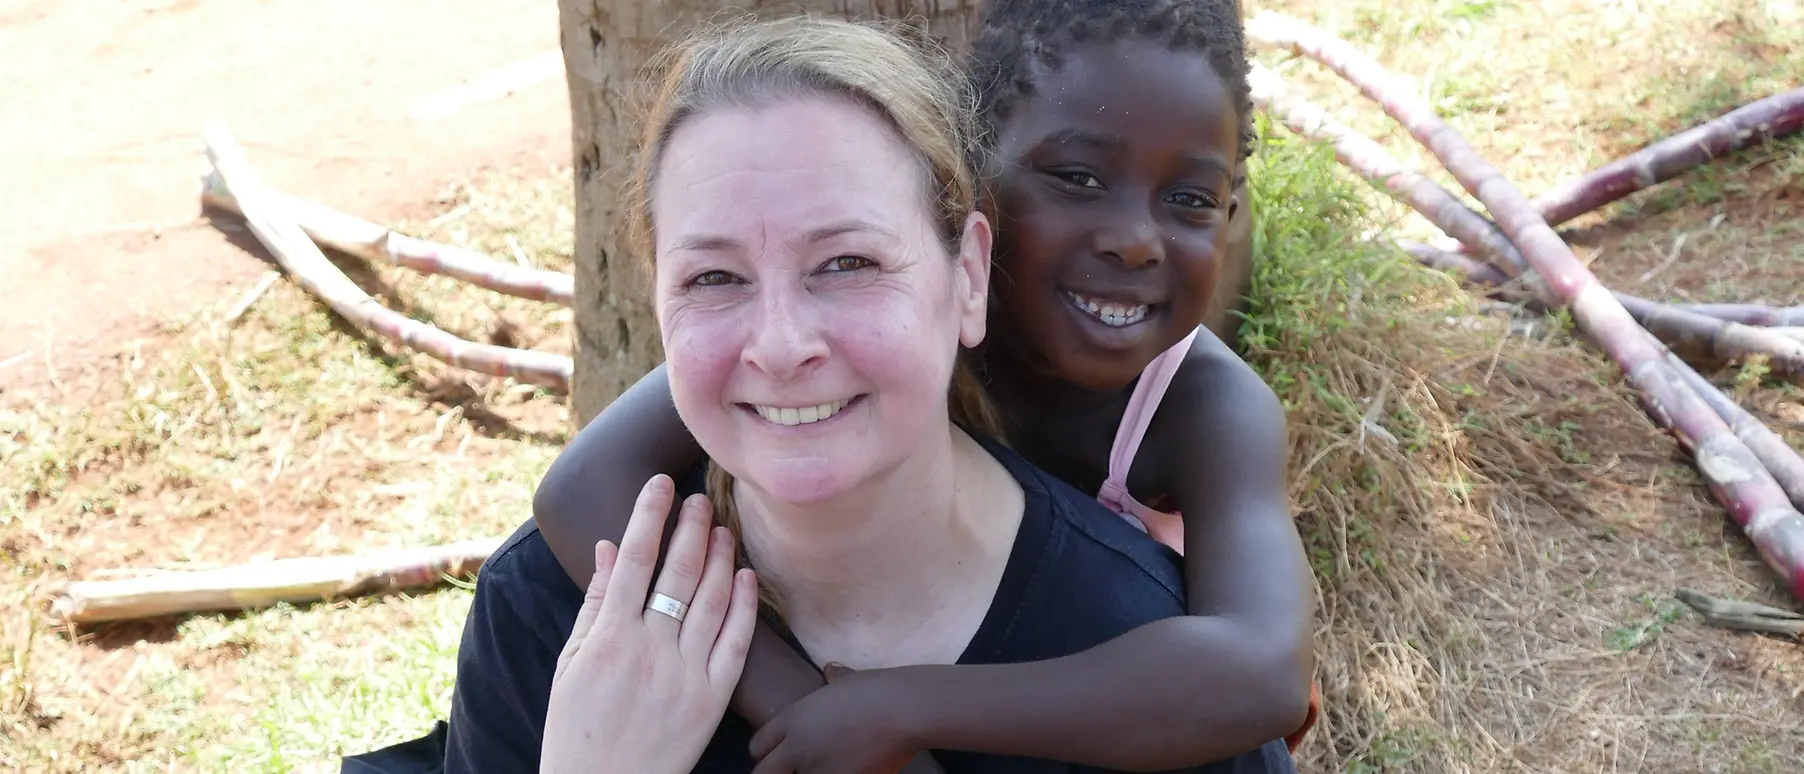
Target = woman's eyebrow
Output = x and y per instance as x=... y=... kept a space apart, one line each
x=841 y=228
x=717 y=243
x=705 y=243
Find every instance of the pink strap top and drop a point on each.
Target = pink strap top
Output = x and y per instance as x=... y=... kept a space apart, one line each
x=1167 y=528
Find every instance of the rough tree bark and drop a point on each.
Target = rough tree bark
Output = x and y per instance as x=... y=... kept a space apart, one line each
x=605 y=42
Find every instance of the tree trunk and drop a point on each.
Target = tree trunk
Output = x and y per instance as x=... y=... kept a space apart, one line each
x=605 y=42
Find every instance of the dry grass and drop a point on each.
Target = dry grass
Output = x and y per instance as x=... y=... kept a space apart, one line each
x=1496 y=580
x=1496 y=542
x=285 y=434
x=1497 y=585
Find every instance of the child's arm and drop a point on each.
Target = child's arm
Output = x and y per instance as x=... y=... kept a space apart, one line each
x=1181 y=692
x=588 y=494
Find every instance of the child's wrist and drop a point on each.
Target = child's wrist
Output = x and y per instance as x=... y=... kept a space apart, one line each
x=919 y=715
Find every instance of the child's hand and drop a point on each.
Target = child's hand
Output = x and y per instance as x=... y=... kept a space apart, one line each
x=847 y=726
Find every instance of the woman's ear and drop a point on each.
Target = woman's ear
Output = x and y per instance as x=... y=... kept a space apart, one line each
x=973 y=286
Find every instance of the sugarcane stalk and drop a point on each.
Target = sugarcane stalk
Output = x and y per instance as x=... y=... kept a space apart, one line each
x=1757 y=122
x=1778 y=456
x=263 y=584
x=1384 y=171
x=1780 y=459
x=303 y=260
x=1751 y=495
x=1701 y=337
x=1751 y=314
x=1694 y=334
x=351 y=235
x=1477 y=272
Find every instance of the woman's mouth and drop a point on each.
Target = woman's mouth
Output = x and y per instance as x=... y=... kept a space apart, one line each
x=1111 y=313
x=787 y=416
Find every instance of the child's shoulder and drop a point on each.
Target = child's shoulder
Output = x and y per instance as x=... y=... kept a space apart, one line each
x=1215 y=393
x=1213 y=374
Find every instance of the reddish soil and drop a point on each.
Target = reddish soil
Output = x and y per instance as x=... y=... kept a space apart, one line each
x=101 y=232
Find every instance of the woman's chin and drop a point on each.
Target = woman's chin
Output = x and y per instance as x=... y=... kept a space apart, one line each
x=800 y=484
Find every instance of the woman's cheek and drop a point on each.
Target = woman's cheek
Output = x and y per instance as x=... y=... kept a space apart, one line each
x=701 y=346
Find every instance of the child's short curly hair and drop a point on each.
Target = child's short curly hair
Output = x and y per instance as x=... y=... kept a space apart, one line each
x=1018 y=34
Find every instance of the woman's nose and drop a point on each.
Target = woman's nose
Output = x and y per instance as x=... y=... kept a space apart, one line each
x=1133 y=239
x=786 y=337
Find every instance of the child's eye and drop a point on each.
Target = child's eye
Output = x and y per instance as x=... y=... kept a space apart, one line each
x=1079 y=179
x=712 y=279
x=848 y=263
x=1192 y=200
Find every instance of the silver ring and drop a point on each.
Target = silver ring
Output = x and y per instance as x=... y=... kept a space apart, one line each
x=668 y=606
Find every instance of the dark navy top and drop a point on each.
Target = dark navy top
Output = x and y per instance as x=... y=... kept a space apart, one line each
x=1078 y=576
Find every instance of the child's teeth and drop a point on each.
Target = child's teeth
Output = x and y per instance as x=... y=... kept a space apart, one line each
x=1112 y=314
x=790 y=417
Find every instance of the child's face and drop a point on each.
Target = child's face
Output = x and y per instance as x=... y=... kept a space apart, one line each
x=1114 y=200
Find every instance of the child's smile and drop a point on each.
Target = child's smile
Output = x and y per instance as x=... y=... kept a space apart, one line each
x=1111 y=313
x=1114 y=196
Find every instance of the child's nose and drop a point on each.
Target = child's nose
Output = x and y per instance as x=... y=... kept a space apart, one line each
x=1134 y=242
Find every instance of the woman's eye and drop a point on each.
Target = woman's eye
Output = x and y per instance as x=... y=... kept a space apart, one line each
x=847 y=263
x=1079 y=179
x=712 y=279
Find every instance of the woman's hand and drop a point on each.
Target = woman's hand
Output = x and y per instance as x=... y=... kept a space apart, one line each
x=639 y=690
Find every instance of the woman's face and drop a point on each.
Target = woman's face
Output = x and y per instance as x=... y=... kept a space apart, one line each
x=810 y=312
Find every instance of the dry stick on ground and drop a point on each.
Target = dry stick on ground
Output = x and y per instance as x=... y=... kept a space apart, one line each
x=1695 y=335
x=371 y=242
x=1746 y=616
x=303 y=260
x=1752 y=124
x=262 y=584
x=1752 y=497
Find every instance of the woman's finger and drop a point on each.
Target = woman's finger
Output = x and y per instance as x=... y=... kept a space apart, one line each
x=605 y=554
x=727 y=661
x=639 y=550
x=682 y=568
x=713 y=596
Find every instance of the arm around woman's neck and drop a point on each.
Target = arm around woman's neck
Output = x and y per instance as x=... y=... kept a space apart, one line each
x=1230 y=677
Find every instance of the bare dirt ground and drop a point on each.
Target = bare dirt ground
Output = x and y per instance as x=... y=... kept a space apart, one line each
x=101 y=234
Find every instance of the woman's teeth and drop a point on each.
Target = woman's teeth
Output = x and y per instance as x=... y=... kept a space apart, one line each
x=790 y=417
x=1114 y=315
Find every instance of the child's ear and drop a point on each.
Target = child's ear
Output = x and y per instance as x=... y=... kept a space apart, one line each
x=973 y=287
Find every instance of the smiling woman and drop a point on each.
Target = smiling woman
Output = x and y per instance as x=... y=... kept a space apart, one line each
x=800 y=267
x=807 y=200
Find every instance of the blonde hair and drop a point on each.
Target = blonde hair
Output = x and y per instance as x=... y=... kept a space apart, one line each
x=914 y=86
